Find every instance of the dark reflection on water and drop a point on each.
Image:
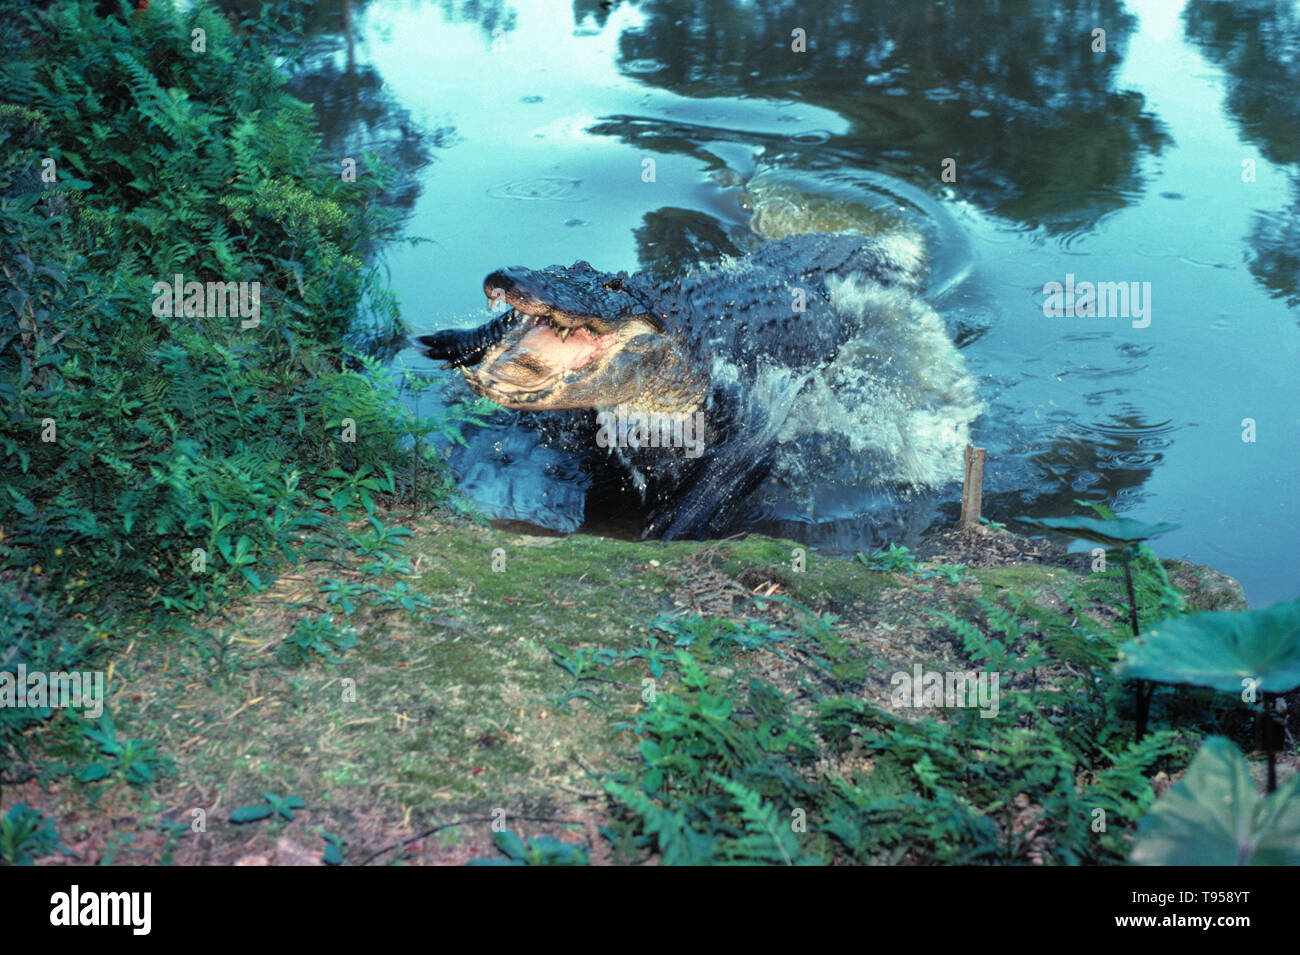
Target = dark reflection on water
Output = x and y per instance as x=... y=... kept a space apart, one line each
x=1012 y=91
x=1258 y=45
x=520 y=129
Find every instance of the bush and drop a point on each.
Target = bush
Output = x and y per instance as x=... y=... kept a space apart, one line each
x=156 y=460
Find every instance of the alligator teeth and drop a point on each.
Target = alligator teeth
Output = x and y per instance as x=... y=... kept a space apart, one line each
x=564 y=333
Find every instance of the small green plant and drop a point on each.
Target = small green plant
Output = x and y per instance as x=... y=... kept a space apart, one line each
x=27 y=833
x=542 y=850
x=114 y=845
x=316 y=637
x=896 y=560
x=716 y=638
x=948 y=573
x=401 y=594
x=333 y=853
x=173 y=832
x=342 y=594
x=134 y=760
x=282 y=806
x=581 y=664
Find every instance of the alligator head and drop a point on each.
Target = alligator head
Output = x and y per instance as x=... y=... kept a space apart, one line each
x=571 y=337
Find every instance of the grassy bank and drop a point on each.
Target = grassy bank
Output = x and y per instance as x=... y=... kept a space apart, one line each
x=635 y=701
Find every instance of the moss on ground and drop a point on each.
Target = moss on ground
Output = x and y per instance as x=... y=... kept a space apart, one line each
x=455 y=711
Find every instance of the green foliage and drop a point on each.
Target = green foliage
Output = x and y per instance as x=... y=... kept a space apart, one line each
x=719 y=783
x=896 y=560
x=132 y=760
x=1225 y=651
x=282 y=806
x=333 y=854
x=1214 y=816
x=718 y=638
x=25 y=834
x=1110 y=531
x=348 y=596
x=948 y=573
x=542 y=850
x=30 y=634
x=185 y=432
x=316 y=637
x=732 y=770
x=973 y=790
x=157 y=463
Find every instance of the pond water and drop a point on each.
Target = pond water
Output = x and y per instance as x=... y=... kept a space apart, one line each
x=1171 y=160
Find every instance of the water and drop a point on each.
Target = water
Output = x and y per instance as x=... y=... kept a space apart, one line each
x=1172 y=158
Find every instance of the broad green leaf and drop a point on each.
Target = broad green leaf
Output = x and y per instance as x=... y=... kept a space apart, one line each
x=249 y=813
x=1220 y=650
x=1214 y=816
x=510 y=843
x=1116 y=532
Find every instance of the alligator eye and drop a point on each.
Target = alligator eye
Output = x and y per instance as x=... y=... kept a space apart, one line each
x=615 y=285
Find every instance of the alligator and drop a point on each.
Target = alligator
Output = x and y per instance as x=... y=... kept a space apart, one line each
x=692 y=380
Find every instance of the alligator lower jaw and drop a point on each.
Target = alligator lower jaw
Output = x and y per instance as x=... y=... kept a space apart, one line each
x=540 y=358
x=542 y=363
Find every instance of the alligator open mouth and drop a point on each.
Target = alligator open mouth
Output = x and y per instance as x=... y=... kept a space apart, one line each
x=556 y=346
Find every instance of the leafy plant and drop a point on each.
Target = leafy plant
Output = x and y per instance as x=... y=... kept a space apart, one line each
x=26 y=833
x=1214 y=816
x=282 y=806
x=1248 y=652
x=896 y=560
x=949 y=573
x=190 y=455
x=541 y=850
x=134 y=760
x=1121 y=533
x=343 y=594
x=319 y=636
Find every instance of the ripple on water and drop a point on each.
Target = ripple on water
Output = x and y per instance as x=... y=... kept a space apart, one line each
x=554 y=188
x=813 y=137
x=1134 y=350
x=642 y=66
x=1127 y=446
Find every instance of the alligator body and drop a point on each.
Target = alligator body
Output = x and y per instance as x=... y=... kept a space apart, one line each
x=695 y=383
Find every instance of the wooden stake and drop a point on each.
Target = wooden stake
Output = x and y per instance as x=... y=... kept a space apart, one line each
x=972 y=491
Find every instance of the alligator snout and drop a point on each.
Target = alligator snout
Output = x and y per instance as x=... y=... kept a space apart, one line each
x=513 y=286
